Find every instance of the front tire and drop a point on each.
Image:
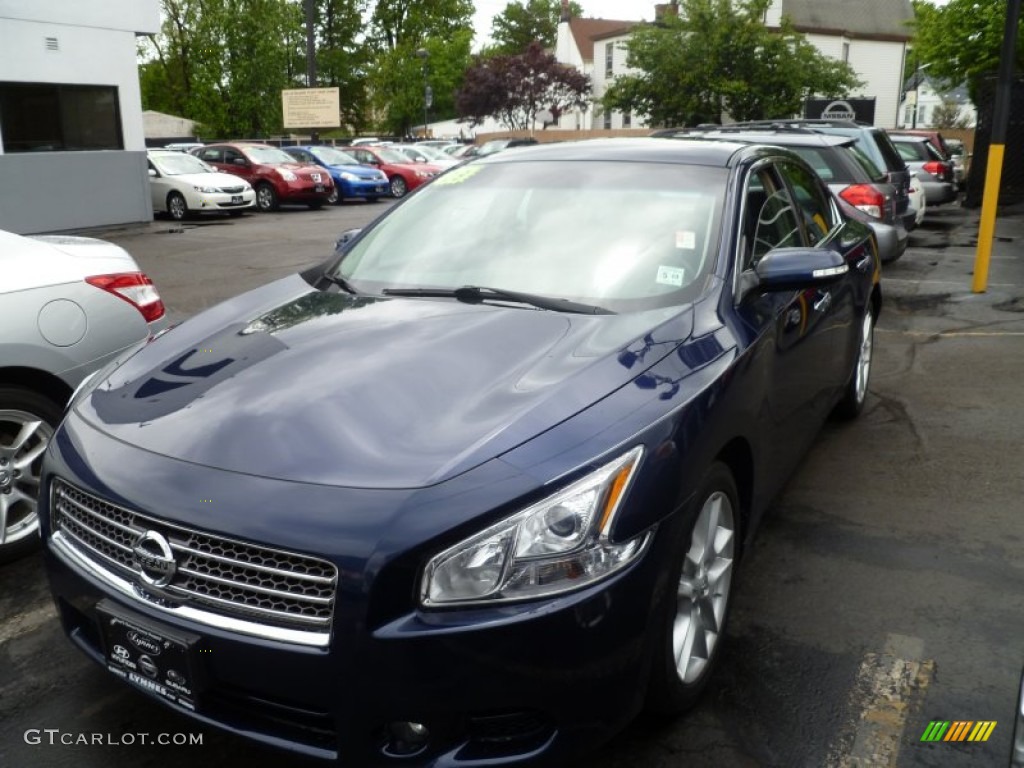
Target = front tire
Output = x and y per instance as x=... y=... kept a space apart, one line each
x=691 y=624
x=266 y=197
x=27 y=422
x=857 y=388
x=398 y=186
x=177 y=208
x=334 y=198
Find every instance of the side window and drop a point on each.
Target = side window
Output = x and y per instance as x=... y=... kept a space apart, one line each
x=812 y=202
x=362 y=155
x=769 y=218
x=230 y=155
x=301 y=156
x=211 y=155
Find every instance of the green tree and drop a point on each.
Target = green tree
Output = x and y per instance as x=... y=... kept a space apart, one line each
x=718 y=57
x=343 y=56
x=522 y=23
x=224 y=63
x=399 y=29
x=961 y=41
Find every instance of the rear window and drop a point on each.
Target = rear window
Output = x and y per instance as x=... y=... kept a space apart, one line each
x=824 y=163
x=892 y=158
x=914 y=151
x=866 y=163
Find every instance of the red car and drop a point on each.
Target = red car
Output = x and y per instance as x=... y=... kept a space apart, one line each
x=404 y=175
x=272 y=172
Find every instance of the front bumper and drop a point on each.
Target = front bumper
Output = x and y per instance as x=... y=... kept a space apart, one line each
x=221 y=201
x=522 y=684
x=364 y=188
x=302 y=191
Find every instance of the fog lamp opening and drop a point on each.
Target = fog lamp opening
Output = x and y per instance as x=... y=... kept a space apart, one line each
x=404 y=738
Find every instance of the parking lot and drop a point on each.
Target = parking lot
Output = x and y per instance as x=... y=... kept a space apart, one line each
x=885 y=588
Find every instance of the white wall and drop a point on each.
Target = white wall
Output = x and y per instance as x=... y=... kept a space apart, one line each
x=96 y=45
x=879 y=64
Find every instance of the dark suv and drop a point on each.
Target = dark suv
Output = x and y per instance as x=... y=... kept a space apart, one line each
x=873 y=142
x=840 y=163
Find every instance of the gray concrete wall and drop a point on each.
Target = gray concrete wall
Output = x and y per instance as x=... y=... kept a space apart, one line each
x=56 y=191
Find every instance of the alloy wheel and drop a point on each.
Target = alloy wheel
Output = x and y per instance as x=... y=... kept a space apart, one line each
x=703 y=592
x=23 y=439
x=863 y=371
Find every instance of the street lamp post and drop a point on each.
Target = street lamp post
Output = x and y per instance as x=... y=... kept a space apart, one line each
x=424 y=54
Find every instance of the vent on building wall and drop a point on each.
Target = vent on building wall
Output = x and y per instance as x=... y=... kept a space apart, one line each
x=52 y=44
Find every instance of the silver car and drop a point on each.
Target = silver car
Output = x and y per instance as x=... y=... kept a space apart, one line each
x=68 y=306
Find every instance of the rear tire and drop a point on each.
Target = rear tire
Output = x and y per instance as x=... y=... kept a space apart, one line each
x=27 y=422
x=691 y=622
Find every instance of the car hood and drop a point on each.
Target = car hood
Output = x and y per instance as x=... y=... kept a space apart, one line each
x=358 y=170
x=207 y=179
x=359 y=391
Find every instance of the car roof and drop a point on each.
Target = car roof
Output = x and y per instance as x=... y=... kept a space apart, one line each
x=908 y=139
x=652 y=150
x=781 y=137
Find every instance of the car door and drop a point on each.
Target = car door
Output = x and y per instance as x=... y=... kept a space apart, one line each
x=791 y=341
x=237 y=163
x=158 y=188
x=833 y=306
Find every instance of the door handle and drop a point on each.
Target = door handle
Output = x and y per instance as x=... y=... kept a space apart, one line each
x=823 y=302
x=864 y=263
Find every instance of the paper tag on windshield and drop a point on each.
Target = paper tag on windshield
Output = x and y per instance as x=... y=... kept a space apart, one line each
x=670 y=275
x=686 y=239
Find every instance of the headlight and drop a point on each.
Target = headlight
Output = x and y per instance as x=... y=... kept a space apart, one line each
x=286 y=174
x=206 y=190
x=424 y=174
x=349 y=177
x=557 y=545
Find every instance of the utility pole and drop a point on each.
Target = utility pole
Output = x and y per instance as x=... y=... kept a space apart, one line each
x=996 y=149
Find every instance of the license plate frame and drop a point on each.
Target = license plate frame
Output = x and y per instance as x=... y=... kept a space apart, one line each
x=236 y=199
x=150 y=656
x=319 y=187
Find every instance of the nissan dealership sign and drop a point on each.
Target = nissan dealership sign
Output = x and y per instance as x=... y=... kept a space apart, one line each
x=862 y=110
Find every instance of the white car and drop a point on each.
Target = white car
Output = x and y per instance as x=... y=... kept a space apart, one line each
x=917 y=200
x=68 y=306
x=182 y=184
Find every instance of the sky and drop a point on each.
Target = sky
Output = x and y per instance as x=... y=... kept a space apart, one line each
x=634 y=10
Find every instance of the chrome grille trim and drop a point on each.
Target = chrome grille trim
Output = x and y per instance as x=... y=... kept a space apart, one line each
x=232 y=190
x=271 y=591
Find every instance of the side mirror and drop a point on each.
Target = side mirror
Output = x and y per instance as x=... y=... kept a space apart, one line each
x=785 y=269
x=240 y=161
x=421 y=159
x=152 y=173
x=344 y=239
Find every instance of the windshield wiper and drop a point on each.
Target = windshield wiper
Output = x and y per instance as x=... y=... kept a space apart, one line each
x=474 y=294
x=341 y=282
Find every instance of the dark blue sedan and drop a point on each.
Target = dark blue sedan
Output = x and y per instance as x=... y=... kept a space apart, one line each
x=351 y=178
x=473 y=491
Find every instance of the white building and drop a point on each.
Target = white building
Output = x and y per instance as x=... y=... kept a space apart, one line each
x=871 y=35
x=72 y=151
x=922 y=97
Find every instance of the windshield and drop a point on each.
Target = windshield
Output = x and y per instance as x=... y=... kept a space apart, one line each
x=332 y=156
x=267 y=155
x=392 y=156
x=177 y=164
x=622 y=235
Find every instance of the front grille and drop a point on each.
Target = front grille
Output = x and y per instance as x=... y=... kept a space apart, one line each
x=223 y=576
x=232 y=190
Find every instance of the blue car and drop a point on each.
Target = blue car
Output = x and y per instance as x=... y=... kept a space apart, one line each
x=473 y=491
x=351 y=178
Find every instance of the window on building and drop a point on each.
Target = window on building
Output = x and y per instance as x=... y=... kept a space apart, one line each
x=609 y=59
x=908 y=114
x=45 y=117
x=607 y=119
x=846 y=51
x=627 y=119
x=922 y=114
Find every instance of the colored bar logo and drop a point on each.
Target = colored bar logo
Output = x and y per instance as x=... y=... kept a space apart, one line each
x=958 y=730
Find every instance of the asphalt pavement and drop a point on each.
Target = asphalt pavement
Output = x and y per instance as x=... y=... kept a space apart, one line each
x=885 y=589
